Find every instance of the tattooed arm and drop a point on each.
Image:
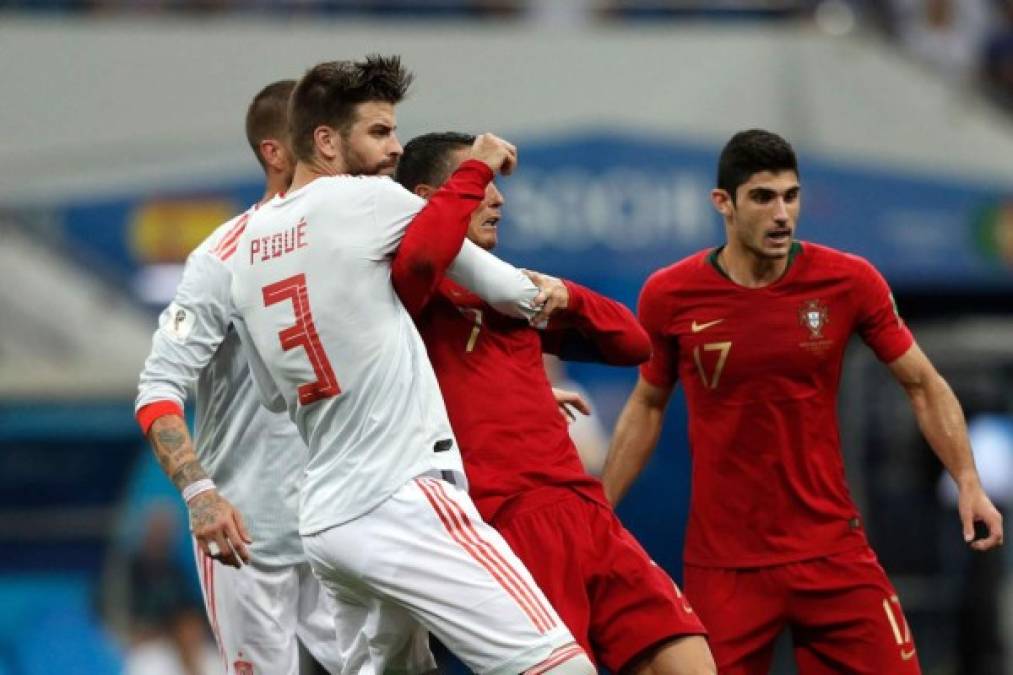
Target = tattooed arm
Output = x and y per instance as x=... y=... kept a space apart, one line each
x=212 y=517
x=190 y=331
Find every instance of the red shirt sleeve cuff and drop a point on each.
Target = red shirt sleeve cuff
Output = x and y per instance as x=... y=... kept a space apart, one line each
x=481 y=167
x=147 y=415
x=564 y=317
x=576 y=291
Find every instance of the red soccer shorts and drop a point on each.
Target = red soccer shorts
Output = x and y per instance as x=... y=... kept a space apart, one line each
x=843 y=613
x=614 y=599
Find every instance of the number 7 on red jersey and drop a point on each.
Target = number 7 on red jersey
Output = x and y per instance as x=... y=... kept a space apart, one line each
x=303 y=334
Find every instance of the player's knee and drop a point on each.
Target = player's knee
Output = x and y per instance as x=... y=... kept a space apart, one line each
x=575 y=665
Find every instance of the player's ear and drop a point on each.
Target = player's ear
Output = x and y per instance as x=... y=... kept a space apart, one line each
x=327 y=141
x=271 y=152
x=722 y=202
x=424 y=190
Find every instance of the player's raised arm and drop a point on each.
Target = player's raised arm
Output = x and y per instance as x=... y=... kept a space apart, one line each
x=941 y=421
x=190 y=331
x=595 y=328
x=434 y=237
x=503 y=286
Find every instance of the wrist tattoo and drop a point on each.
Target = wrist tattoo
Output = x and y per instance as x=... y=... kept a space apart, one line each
x=187 y=473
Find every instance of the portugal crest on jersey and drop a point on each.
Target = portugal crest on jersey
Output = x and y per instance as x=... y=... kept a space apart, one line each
x=813 y=314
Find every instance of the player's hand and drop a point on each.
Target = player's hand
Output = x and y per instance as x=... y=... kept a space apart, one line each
x=219 y=529
x=499 y=155
x=552 y=297
x=570 y=401
x=975 y=507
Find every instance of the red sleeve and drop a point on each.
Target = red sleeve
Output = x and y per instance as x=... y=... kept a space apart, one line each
x=879 y=322
x=147 y=414
x=653 y=310
x=435 y=235
x=596 y=328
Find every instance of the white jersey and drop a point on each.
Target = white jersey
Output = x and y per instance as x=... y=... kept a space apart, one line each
x=333 y=343
x=254 y=456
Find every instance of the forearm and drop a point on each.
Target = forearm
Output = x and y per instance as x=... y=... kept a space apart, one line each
x=636 y=435
x=434 y=237
x=601 y=330
x=941 y=421
x=171 y=443
x=499 y=283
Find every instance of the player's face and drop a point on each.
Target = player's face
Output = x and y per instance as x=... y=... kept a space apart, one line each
x=764 y=215
x=483 y=228
x=371 y=146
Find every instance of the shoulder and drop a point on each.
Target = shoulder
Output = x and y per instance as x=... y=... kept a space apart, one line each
x=222 y=243
x=831 y=258
x=673 y=278
x=389 y=189
x=825 y=263
x=376 y=191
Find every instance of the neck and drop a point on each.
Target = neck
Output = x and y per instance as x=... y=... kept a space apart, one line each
x=308 y=171
x=276 y=183
x=748 y=269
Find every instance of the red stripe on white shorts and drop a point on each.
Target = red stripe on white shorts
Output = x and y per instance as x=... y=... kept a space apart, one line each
x=532 y=594
x=561 y=655
x=455 y=527
x=208 y=569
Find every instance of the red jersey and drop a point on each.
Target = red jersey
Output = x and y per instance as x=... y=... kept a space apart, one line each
x=760 y=368
x=509 y=429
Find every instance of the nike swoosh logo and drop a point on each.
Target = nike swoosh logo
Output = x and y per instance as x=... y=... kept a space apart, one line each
x=697 y=327
x=907 y=656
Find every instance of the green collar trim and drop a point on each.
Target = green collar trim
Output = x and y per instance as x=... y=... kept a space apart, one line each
x=712 y=258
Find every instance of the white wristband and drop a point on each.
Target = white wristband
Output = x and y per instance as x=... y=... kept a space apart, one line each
x=197 y=487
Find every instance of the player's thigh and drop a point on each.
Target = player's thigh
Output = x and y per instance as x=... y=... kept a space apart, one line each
x=548 y=531
x=431 y=553
x=321 y=618
x=370 y=635
x=252 y=613
x=315 y=621
x=744 y=611
x=636 y=607
x=846 y=617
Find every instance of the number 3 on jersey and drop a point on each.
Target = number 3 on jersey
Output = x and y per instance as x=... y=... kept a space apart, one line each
x=303 y=334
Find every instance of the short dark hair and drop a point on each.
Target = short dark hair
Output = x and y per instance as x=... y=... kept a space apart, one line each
x=267 y=116
x=750 y=152
x=426 y=158
x=328 y=93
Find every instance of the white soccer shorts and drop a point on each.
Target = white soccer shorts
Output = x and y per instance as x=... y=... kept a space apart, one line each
x=257 y=613
x=425 y=556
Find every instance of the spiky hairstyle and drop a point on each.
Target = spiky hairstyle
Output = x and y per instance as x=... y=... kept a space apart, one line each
x=329 y=92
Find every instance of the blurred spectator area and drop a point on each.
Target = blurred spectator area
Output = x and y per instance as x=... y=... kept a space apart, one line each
x=966 y=41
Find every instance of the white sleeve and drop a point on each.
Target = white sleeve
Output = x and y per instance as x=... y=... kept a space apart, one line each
x=189 y=332
x=502 y=285
x=393 y=208
x=267 y=389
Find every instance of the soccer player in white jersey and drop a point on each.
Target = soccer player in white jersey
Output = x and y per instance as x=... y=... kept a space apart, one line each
x=243 y=455
x=384 y=513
